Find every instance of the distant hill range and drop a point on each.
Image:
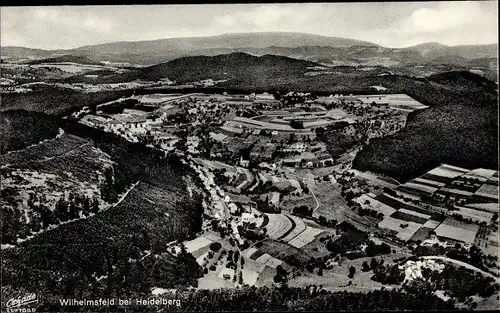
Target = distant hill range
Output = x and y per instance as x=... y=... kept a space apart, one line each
x=329 y=50
x=238 y=67
x=67 y=59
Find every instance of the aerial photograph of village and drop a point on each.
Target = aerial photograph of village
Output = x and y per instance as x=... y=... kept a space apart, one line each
x=250 y=157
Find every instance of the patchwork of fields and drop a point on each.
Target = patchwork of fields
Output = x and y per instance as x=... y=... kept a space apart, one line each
x=291 y=229
x=411 y=217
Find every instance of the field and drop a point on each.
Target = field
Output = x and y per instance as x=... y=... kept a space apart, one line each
x=336 y=279
x=73 y=68
x=488 y=190
x=490 y=207
x=392 y=202
x=402 y=233
x=408 y=217
x=334 y=206
x=197 y=247
x=398 y=101
x=456 y=230
x=283 y=251
x=374 y=205
x=300 y=226
x=432 y=224
x=421 y=234
x=305 y=237
x=420 y=187
x=475 y=215
x=437 y=178
x=447 y=171
x=431 y=183
x=482 y=172
x=278 y=225
x=421 y=215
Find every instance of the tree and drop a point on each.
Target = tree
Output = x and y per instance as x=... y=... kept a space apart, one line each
x=352 y=271
x=366 y=267
x=86 y=206
x=215 y=246
x=95 y=205
x=61 y=210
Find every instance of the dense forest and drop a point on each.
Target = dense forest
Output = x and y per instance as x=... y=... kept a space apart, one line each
x=19 y=129
x=122 y=250
x=460 y=128
x=58 y=101
x=307 y=299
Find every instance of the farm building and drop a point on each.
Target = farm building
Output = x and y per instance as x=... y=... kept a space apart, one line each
x=413 y=270
x=247 y=218
x=272 y=198
x=218 y=137
x=296 y=147
x=455 y=231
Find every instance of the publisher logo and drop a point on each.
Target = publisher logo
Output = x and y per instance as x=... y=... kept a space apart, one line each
x=22 y=304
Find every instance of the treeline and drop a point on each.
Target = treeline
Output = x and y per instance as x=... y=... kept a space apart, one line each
x=308 y=299
x=118 y=106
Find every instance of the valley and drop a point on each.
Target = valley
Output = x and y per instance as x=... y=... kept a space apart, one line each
x=272 y=171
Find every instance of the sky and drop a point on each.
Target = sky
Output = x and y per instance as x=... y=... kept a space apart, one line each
x=385 y=23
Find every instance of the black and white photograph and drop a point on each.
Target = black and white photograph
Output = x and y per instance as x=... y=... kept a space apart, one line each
x=249 y=157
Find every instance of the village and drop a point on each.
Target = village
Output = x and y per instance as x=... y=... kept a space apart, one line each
x=277 y=202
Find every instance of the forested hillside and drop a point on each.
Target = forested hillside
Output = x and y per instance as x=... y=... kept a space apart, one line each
x=460 y=128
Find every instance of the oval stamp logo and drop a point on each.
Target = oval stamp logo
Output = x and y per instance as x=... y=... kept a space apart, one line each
x=22 y=304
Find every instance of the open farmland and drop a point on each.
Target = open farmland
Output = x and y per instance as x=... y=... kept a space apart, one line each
x=475 y=215
x=198 y=247
x=305 y=237
x=398 y=101
x=337 y=279
x=394 y=224
x=490 y=207
x=488 y=190
x=278 y=225
x=300 y=226
x=408 y=217
x=368 y=202
x=455 y=230
x=75 y=68
x=392 y=202
x=282 y=251
x=420 y=187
